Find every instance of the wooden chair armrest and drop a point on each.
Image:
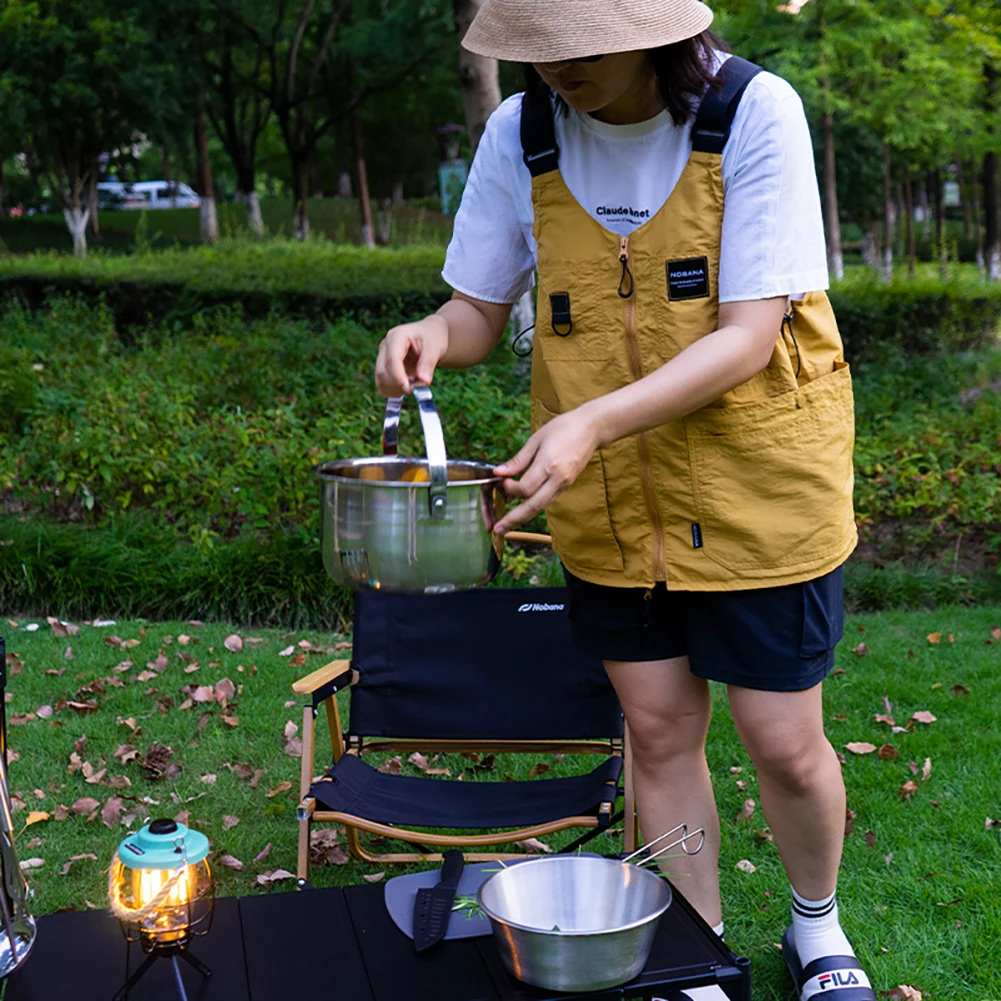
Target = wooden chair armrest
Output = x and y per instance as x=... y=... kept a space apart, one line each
x=321 y=676
x=533 y=537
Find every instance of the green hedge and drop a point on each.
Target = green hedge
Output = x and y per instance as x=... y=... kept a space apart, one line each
x=324 y=281
x=923 y=316
x=315 y=279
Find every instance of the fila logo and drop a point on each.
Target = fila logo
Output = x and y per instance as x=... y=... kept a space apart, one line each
x=540 y=608
x=837 y=980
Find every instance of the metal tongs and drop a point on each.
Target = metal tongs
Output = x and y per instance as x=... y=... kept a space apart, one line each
x=682 y=841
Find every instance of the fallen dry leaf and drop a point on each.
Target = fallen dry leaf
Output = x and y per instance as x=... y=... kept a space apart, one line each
x=36 y=817
x=32 y=863
x=745 y=812
x=263 y=853
x=183 y=817
x=850 y=816
x=907 y=790
x=904 y=993
x=267 y=878
x=111 y=814
x=989 y=823
x=287 y=652
x=233 y=643
x=126 y=752
x=373 y=877
x=146 y=675
x=870 y=839
x=534 y=846
x=934 y=638
x=923 y=716
x=291 y=729
x=926 y=770
x=229 y=821
x=231 y=863
x=419 y=761
x=539 y=768
x=960 y=690
x=884 y=718
x=861 y=650
x=224 y=690
x=86 y=805
x=293 y=748
x=298 y=660
x=281 y=787
x=61 y=812
x=394 y=766
x=746 y=866
x=860 y=747
x=184 y=639
x=120 y=782
x=230 y=720
x=888 y=753
x=209 y=780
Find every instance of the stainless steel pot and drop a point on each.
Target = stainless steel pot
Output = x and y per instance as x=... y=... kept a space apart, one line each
x=397 y=524
x=578 y=923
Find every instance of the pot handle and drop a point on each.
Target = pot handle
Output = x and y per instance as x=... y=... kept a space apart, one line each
x=434 y=443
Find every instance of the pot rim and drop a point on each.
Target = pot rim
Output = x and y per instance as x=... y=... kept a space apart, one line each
x=493 y=916
x=322 y=471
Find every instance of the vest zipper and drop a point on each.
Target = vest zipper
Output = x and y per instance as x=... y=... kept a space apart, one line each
x=642 y=440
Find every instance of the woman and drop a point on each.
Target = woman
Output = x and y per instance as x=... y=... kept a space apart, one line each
x=691 y=408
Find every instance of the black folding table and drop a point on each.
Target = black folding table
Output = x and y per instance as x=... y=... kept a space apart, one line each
x=340 y=944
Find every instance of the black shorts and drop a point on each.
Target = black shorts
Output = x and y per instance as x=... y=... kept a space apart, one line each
x=776 y=639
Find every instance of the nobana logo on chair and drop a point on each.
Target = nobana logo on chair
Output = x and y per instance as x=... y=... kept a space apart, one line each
x=534 y=607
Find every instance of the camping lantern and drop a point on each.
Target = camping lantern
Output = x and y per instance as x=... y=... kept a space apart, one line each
x=161 y=890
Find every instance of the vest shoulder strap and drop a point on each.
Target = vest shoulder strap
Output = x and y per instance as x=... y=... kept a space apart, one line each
x=538 y=133
x=716 y=113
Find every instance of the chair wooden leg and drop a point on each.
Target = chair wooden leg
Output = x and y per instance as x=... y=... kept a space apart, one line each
x=302 y=857
x=305 y=781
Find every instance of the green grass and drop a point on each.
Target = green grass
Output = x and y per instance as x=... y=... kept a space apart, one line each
x=892 y=909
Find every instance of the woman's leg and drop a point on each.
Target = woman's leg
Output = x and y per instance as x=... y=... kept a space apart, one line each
x=800 y=782
x=667 y=710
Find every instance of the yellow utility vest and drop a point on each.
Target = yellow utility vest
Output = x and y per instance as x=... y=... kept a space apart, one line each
x=753 y=490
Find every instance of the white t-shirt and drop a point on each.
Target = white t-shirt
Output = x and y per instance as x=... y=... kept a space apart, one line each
x=773 y=235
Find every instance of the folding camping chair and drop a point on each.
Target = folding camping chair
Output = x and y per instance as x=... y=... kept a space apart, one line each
x=486 y=671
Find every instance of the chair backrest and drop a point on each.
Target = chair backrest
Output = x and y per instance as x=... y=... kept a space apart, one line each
x=486 y=664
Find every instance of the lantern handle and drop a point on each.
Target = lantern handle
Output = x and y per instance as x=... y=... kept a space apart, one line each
x=120 y=909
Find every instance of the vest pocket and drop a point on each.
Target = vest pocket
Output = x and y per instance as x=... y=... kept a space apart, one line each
x=773 y=480
x=578 y=517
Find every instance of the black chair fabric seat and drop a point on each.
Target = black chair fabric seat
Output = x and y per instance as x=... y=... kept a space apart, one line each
x=357 y=788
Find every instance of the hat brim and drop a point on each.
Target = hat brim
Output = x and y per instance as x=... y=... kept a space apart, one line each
x=542 y=32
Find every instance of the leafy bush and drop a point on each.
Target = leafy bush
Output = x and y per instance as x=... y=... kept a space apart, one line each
x=171 y=476
x=923 y=316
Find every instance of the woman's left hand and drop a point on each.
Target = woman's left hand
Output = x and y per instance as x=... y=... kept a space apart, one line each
x=549 y=462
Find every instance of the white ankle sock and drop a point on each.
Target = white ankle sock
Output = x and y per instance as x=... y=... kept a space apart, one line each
x=816 y=929
x=718 y=929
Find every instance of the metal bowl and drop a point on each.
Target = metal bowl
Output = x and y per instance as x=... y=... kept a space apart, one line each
x=574 y=923
x=397 y=524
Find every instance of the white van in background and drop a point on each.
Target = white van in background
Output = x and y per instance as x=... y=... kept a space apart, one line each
x=164 y=195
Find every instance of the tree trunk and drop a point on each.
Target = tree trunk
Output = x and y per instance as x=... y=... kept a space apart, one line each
x=870 y=246
x=978 y=228
x=254 y=218
x=992 y=249
x=367 y=231
x=209 y=223
x=935 y=188
x=76 y=221
x=165 y=165
x=344 y=184
x=300 y=183
x=964 y=199
x=95 y=223
x=832 y=221
x=478 y=76
x=887 y=215
x=912 y=254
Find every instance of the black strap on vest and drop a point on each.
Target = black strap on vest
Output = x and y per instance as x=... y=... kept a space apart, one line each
x=538 y=134
x=716 y=113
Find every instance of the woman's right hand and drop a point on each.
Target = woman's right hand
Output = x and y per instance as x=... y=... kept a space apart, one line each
x=410 y=352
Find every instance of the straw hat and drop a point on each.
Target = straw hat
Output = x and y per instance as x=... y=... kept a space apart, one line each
x=550 y=31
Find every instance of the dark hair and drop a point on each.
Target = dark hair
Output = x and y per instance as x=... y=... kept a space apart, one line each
x=684 y=71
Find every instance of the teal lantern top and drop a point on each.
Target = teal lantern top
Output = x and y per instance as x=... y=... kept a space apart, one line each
x=163 y=844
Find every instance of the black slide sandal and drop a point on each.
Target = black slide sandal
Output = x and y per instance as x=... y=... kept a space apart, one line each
x=839 y=977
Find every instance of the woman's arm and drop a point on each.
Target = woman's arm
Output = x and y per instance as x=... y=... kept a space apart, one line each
x=461 y=334
x=554 y=456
